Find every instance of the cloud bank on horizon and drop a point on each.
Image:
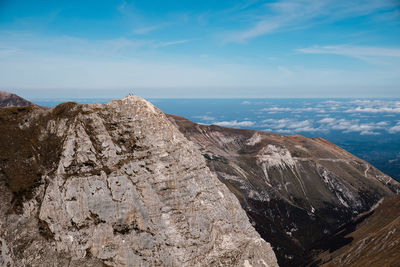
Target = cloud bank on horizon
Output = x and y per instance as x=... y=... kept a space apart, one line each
x=364 y=117
x=248 y=48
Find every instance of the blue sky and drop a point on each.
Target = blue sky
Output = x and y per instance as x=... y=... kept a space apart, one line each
x=303 y=48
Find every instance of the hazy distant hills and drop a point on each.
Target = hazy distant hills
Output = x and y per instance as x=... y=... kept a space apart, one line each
x=8 y=99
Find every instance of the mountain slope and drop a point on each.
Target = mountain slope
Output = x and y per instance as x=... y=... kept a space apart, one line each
x=8 y=100
x=371 y=240
x=296 y=190
x=114 y=184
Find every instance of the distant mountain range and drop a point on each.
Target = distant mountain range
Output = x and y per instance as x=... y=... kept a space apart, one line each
x=313 y=201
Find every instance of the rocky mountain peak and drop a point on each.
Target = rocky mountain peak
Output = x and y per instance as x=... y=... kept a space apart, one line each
x=114 y=184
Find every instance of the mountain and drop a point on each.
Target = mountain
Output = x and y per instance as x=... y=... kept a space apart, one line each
x=8 y=99
x=114 y=184
x=76 y=178
x=370 y=240
x=296 y=190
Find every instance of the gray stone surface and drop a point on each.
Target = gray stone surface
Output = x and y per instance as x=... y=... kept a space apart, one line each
x=128 y=189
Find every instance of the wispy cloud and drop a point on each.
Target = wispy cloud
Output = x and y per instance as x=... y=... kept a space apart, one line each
x=347 y=126
x=328 y=124
x=235 y=123
x=164 y=44
x=146 y=30
x=289 y=126
x=205 y=118
x=287 y=15
x=374 y=110
x=395 y=129
x=361 y=52
x=376 y=106
x=276 y=109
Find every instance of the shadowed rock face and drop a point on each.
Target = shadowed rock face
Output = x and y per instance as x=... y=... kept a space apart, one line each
x=8 y=100
x=373 y=239
x=295 y=190
x=114 y=184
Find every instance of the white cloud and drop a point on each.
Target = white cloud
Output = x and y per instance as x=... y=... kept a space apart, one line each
x=309 y=109
x=205 y=118
x=327 y=120
x=276 y=109
x=395 y=129
x=369 y=133
x=362 y=52
x=164 y=44
x=235 y=123
x=331 y=102
x=67 y=63
x=374 y=110
x=146 y=30
x=290 y=126
x=272 y=110
x=300 y=124
x=246 y=103
x=347 y=126
x=382 y=123
x=328 y=124
x=287 y=15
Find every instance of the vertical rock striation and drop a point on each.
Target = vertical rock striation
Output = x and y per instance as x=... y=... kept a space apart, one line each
x=114 y=184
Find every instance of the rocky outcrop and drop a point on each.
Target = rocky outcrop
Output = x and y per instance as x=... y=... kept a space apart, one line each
x=114 y=184
x=8 y=100
x=296 y=190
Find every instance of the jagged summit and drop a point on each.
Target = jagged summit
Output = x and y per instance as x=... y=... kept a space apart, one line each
x=132 y=99
x=114 y=184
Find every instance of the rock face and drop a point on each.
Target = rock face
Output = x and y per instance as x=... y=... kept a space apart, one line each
x=296 y=190
x=8 y=100
x=373 y=239
x=114 y=184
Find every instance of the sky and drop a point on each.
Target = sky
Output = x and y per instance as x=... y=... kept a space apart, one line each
x=200 y=49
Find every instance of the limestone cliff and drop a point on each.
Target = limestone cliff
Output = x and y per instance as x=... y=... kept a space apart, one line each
x=114 y=184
